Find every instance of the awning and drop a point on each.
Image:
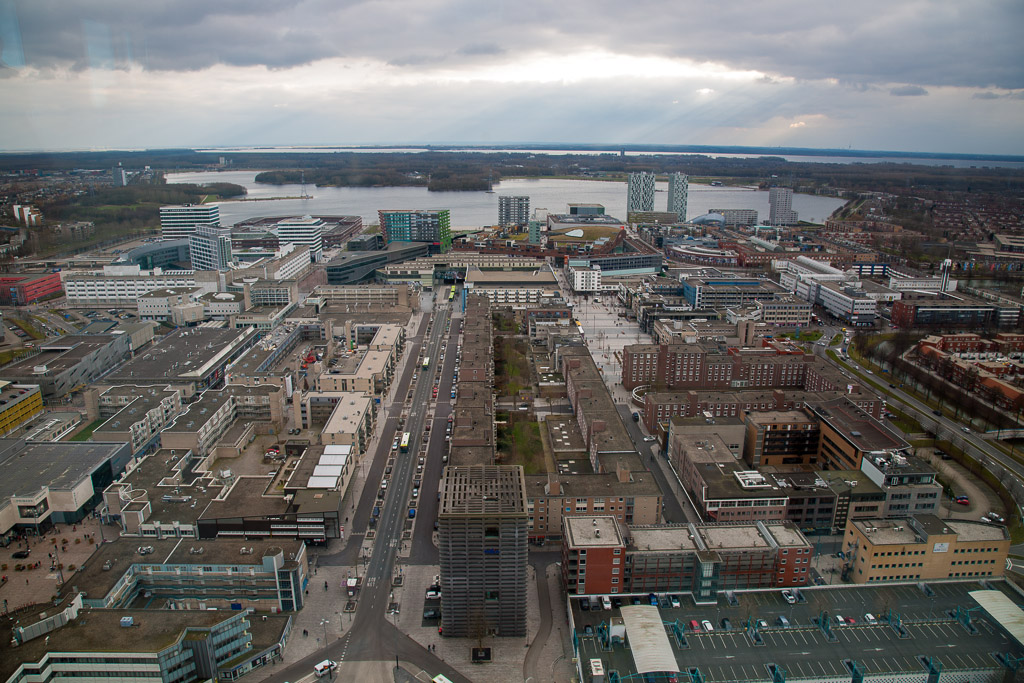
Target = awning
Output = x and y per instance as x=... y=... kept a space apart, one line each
x=648 y=640
x=1004 y=610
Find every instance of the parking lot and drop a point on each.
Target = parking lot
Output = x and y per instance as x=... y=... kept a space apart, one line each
x=803 y=650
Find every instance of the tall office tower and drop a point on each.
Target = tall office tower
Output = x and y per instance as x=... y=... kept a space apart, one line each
x=306 y=231
x=780 y=206
x=120 y=177
x=209 y=248
x=640 y=192
x=177 y=222
x=482 y=531
x=433 y=226
x=678 y=188
x=513 y=210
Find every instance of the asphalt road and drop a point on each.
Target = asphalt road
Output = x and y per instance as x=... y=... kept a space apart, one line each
x=372 y=637
x=673 y=511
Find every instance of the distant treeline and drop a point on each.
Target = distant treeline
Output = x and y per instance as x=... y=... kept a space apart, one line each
x=441 y=170
x=134 y=206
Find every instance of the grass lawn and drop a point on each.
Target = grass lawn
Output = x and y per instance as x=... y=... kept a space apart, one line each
x=9 y=355
x=589 y=233
x=519 y=443
x=906 y=423
x=27 y=327
x=836 y=340
x=803 y=336
x=86 y=433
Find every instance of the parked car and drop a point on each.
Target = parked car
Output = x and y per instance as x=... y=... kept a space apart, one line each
x=962 y=500
x=431 y=613
x=789 y=597
x=706 y=625
x=870 y=619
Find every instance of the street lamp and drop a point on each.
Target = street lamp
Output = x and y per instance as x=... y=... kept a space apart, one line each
x=324 y=622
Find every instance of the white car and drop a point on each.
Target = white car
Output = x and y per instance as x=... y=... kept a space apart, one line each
x=870 y=619
x=706 y=625
x=789 y=597
x=840 y=621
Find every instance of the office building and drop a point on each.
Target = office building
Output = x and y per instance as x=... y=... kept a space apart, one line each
x=780 y=206
x=923 y=547
x=177 y=222
x=678 y=189
x=431 y=226
x=209 y=248
x=70 y=363
x=482 y=535
x=306 y=232
x=640 y=192
x=513 y=210
x=781 y=439
x=849 y=434
x=28 y=288
x=18 y=404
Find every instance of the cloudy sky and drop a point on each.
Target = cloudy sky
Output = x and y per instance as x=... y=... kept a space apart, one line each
x=914 y=75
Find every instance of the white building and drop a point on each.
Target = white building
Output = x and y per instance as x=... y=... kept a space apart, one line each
x=123 y=285
x=737 y=216
x=678 y=190
x=640 y=192
x=157 y=304
x=177 y=222
x=846 y=303
x=780 y=206
x=306 y=231
x=584 y=279
x=209 y=248
x=513 y=210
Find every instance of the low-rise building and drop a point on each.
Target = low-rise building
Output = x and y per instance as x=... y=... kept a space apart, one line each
x=601 y=556
x=924 y=547
x=849 y=434
x=69 y=363
x=18 y=404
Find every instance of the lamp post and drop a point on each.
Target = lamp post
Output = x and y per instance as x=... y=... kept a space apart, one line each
x=324 y=622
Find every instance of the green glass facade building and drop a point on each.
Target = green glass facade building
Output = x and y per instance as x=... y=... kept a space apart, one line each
x=431 y=226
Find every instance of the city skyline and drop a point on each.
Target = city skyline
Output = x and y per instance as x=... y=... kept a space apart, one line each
x=800 y=75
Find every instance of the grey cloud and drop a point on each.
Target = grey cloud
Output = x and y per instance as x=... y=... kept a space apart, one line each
x=986 y=96
x=908 y=91
x=481 y=49
x=967 y=44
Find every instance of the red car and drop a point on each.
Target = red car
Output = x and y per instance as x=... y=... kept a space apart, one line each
x=962 y=500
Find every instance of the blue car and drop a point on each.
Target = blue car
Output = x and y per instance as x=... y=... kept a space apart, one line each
x=653 y=599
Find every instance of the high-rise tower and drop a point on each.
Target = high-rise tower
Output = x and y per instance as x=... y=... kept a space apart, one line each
x=780 y=206
x=640 y=192
x=678 y=188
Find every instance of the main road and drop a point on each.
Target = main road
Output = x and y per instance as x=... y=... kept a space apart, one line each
x=372 y=641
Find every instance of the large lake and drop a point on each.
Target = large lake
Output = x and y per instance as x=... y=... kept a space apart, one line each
x=476 y=209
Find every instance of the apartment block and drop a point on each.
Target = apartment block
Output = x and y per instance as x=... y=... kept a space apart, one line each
x=781 y=439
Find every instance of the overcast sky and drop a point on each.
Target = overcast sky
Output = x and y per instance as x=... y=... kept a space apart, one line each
x=907 y=75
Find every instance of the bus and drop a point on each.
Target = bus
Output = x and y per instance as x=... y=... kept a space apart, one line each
x=451 y=294
x=405 y=442
x=426 y=362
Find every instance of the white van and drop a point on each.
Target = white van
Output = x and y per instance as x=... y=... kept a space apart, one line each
x=606 y=602
x=325 y=667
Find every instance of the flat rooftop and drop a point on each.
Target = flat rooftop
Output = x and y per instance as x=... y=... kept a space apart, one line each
x=864 y=431
x=803 y=651
x=592 y=532
x=60 y=354
x=29 y=467
x=183 y=354
x=489 y=490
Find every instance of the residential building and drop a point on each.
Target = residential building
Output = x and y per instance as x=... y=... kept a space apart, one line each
x=582 y=279
x=601 y=556
x=780 y=206
x=514 y=288
x=158 y=303
x=482 y=536
x=209 y=248
x=166 y=646
x=431 y=226
x=787 y=439
x=228 y=573
x=678 y=190
x=640 y=192
x=924 y=547
x=513 y=210
x=734 y=217
x=177 y=222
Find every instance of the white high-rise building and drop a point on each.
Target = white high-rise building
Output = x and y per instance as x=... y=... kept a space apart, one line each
x=306 y=231
x=513 y=210
x=640 y=192
x=209 y=248
x=780 y=206
x=177 y=222
x=678 y=189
